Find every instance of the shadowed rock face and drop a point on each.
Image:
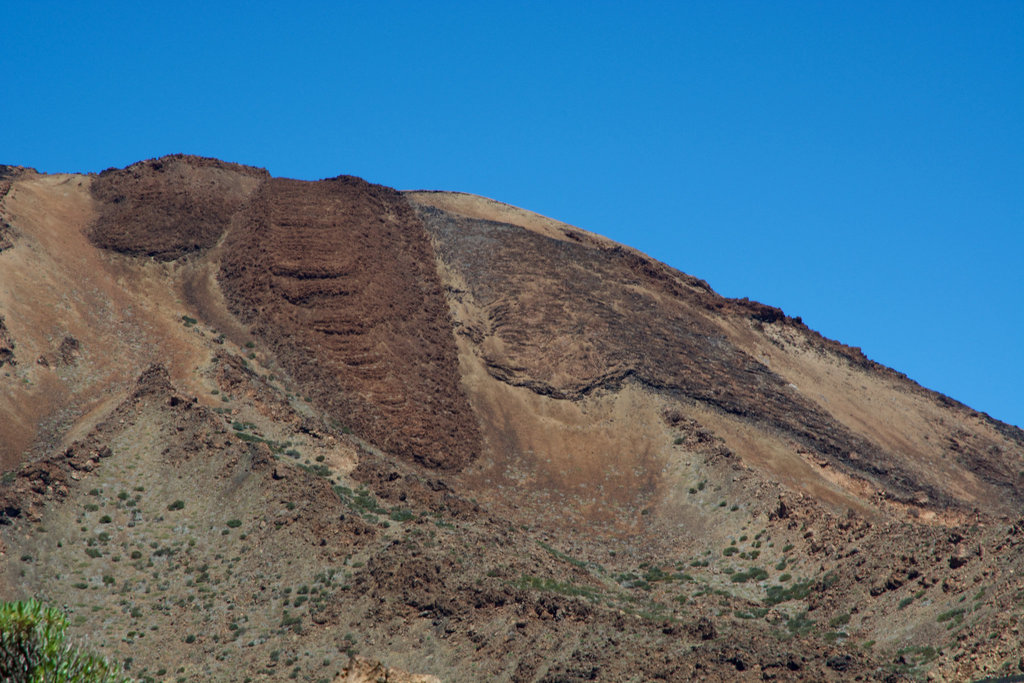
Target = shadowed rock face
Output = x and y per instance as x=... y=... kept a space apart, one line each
x=339 y=277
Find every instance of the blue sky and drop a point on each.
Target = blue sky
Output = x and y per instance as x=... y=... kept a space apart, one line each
x=860 y=164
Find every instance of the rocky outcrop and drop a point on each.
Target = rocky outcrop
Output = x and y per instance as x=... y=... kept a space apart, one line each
x=338 y=278
x=169 y=207
x=362 y=670
x=6 y=346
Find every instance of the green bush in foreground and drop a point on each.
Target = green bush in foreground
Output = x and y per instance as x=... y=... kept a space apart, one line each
x=32 y=649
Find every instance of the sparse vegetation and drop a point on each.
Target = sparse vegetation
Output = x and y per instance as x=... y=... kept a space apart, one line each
x=839 y=620
x=752 y=574
x=956 y=616
x=555 y=586
x=800 y=624
x=402 y=514
x=797 y=591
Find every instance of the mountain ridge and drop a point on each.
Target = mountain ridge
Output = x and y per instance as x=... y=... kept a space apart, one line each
x=519 y=450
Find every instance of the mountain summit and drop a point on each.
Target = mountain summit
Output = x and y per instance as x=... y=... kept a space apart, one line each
x=256 y=428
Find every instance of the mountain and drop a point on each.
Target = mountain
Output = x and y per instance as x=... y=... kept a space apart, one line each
x=255 y=428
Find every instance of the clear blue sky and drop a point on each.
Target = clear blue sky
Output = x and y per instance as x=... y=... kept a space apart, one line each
x=860 y=164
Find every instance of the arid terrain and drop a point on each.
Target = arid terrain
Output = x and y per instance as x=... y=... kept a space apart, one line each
x=254 y=428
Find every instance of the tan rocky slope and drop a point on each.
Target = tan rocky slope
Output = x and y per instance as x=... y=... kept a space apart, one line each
x=253 y=426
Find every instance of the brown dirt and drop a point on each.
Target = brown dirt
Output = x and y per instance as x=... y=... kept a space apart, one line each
x=85 y=321
x=475 y=206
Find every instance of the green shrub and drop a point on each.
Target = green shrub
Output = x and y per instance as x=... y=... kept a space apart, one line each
x=954 y=615
x=234 y=523
x=176 y=505
x=401 y=514
x=800 y=624
x=318 y=470
x=552 y=585
x=290 y=622
x=798 y=591
x=841 y=620
x=32 y=648
x=752 y=574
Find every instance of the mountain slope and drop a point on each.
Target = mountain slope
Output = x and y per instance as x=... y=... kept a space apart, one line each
x=467 y=441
